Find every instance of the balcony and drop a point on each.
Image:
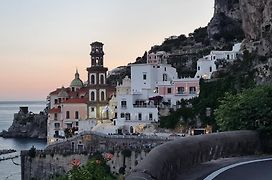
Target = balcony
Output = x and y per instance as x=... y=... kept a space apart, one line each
x=181 y=93
x=143 y=106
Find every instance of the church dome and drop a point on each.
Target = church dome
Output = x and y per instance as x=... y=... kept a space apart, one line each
x=77 y=82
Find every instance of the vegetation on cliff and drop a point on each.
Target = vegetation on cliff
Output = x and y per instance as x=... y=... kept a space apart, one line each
x=250 y=109
x=232 y=79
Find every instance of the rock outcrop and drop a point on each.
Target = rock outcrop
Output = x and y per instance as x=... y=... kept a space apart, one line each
x=226 y=24
x=257 y=25
x=27 y=125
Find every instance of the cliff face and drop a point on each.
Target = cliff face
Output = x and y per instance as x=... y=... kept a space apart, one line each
x=257 y=25
x=28 y=126
x=226 y=24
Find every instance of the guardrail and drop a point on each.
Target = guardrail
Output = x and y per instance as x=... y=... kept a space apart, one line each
x=167 y=160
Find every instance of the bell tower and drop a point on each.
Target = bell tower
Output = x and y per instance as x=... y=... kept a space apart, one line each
x=98 y=87
x=97 y=54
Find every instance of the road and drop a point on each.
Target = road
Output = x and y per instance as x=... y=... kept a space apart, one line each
x=251 y=170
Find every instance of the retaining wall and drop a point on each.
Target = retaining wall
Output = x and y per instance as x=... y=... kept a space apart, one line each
x=164 y=161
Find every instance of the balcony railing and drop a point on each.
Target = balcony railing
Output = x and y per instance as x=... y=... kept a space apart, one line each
x=143 y=106
x=181 y=93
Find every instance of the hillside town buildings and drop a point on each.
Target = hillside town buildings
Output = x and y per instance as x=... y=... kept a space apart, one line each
x=151 y=85
x=79 y=107
x=210 y=63
x=130 y=106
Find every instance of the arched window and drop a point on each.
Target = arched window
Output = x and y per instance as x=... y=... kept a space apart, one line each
x=92 y=79
x=102 y=79
x=92 y=96
x=102 y=96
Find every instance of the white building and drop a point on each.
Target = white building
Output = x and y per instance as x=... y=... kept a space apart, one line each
x=136 y=105
x=207 y=65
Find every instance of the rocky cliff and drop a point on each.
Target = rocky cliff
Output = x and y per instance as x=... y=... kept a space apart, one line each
x=27 y=125
x=226 y=24
x=257 y=25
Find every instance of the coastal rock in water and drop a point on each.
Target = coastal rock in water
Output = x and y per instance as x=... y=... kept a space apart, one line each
x=27 y=125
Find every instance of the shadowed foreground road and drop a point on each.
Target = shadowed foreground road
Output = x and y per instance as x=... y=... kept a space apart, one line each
x=252 y=171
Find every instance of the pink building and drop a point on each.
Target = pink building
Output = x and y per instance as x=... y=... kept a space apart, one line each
x=174 y=91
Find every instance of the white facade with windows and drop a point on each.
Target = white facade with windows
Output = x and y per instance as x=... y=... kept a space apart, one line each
x=207 y=65
x=135 y=106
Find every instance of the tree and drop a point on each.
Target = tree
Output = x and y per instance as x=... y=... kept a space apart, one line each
x=250 y=109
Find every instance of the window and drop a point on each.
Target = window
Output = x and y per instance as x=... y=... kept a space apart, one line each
x=192 y=90
x=210 y=69
x=169 y=90
x=144 y=76
x=140 y=116
x=92 y=109
x=102 y=96
x=180 y=90
x=73 y=89
x=165 y=69
x=55 y=116
x=76 y=123
x=115 y=115
x=123 y=104
x=56 y=101
x=57 y=125
x=67 y=114
x=92 y=96
x=127 y=115
x=164 y=77
x=150 y=116
x=158 y=66
x=92 y=79
x=76 y=115
x=198 y=68
x=122 y=115
x=101 y=79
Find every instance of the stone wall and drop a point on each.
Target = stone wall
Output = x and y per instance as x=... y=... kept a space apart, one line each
x=165 y=161
x=47 y=164
x=44 y=166
x=93 y=142
x=56 y=158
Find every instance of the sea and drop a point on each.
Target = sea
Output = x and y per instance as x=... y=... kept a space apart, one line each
x=9 y=169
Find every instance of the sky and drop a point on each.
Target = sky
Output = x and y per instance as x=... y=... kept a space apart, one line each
x=42 y=42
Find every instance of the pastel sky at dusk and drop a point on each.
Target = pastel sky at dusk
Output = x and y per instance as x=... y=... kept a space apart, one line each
x=43 y=41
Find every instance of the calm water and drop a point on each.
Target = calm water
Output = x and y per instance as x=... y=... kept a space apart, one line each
x=8 y=170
